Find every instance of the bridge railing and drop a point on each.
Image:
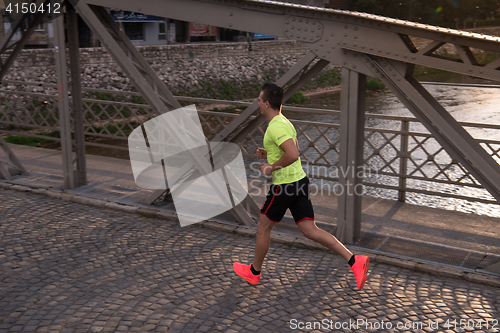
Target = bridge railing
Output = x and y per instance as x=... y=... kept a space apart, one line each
x=399 y=153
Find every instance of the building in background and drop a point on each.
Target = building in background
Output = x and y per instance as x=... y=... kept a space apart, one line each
x=142 y=29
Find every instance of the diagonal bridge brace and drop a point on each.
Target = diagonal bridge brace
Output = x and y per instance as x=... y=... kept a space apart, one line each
x=445 y=129
x=242 y=127
x=25 y=35
x=148 y=84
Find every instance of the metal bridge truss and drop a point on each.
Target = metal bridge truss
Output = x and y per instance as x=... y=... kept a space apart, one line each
x=364 y=45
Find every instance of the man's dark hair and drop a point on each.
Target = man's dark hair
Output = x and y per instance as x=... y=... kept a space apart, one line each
x=272 y=94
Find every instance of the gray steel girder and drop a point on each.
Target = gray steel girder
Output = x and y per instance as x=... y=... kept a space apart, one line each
x=352 y=135
x=239 y=122
x=19 y=45
x=145 y=80
x=445 y=129
x=327 y=31
x=63 y=102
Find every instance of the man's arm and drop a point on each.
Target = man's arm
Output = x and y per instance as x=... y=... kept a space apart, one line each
x=291 y=154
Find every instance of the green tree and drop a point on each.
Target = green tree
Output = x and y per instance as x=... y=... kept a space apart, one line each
x=447 y=13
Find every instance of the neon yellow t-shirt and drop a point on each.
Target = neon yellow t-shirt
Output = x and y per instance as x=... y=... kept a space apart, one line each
x=278 y=131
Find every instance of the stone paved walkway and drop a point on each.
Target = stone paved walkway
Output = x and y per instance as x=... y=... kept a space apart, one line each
x=68 y=267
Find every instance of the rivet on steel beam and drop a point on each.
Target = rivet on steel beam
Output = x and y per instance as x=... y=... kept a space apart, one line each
x=355 y=28
x=293 y=19
x=345 y=35
x=353 y=66
x=230 y=25
x=345 y=26
x=344 y=63
x=230 y=13
x=305 y=29
x=307 y=21
x=286 y=30
x=293 y=27
x=300 y=19
x=313 y=22
x=312 y=38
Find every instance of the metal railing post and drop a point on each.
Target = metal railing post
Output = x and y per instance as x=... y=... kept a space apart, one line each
x=403 y=159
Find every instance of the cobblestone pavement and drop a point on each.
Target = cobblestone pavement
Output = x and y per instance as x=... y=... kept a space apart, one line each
x=68 y=267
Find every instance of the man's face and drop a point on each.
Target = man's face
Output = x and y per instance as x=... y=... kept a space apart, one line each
x=262 y=105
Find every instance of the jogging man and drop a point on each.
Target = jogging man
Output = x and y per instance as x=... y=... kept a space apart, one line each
x=290 y=190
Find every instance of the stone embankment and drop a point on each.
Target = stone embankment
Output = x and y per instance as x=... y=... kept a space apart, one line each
x=217 y=70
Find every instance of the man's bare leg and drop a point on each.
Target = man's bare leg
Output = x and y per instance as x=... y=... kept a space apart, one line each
x=311 y=231
x=264 y=227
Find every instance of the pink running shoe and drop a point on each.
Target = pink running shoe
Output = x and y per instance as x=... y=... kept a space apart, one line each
x=244 y=272
x=360 y=270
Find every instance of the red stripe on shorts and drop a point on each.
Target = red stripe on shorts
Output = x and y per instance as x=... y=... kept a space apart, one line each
x=305 y=218
x=276 y=192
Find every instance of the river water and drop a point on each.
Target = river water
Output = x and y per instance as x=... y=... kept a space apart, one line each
x=478 y=104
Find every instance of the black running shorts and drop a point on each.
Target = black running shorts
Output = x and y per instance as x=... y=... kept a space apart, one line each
x=294 y=196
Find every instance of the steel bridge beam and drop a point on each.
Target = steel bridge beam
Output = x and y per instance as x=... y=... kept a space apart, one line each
x=328 y=32
x=352 y=120
x=444 y=128
x=241 y=122
x=76 y=95
x=19 y=45
x=146 y=81
x=63 y=103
